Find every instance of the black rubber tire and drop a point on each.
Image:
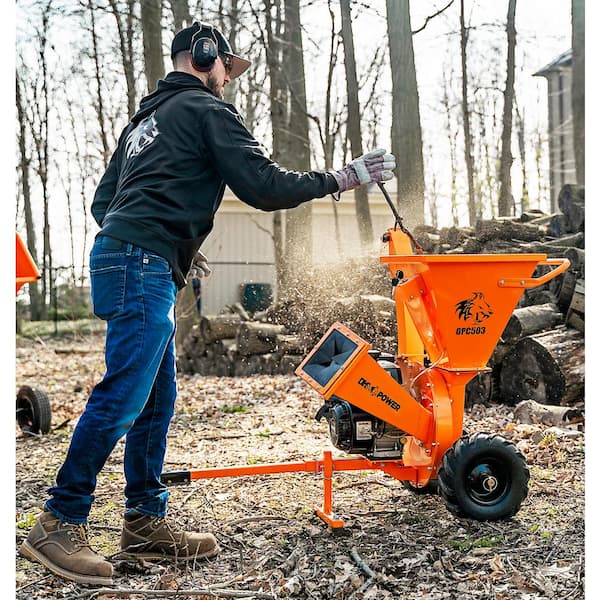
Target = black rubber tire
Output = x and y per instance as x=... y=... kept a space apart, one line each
x=431 y=487
x=34 y=414
x=483 y=477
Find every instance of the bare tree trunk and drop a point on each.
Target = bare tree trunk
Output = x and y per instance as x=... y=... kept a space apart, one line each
x=432 y=194
x=278 y=97
x=229 y=23
x=464 y=36
x=522 y=155
x=98 y=81
x=539 y=169
x=67 y=185
x=407 y=142
x=298 y=221
x=353 y=129
x=506 y=201
x=452 y=144
x=125 y=32
x=332 y=125
x=151 y=29
x=40 y=136
x=24 y=165
x=181 y=14
x=578 y=87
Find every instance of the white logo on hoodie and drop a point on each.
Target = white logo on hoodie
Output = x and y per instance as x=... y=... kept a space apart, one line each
x=142 y=136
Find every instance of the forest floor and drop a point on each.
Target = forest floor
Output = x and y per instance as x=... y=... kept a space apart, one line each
x=396 y=544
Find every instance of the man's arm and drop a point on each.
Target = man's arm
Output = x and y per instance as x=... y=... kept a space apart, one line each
x=105 y=191
x=107 y=188
x=251 y=175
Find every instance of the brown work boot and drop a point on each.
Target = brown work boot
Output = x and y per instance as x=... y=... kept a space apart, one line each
x=64 y=549
x=152 y=537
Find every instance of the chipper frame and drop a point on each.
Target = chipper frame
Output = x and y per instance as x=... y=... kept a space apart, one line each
x=404 y=415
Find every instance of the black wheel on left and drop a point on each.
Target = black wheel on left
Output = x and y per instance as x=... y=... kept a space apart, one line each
x=34 y=414
x=483 y=477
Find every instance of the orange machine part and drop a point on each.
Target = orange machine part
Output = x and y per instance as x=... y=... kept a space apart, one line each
x=453 y=306
x=26 y=271
x=460 y=303
x=365 y=384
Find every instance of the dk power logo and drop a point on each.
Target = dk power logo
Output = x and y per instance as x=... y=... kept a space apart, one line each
x=378 y=394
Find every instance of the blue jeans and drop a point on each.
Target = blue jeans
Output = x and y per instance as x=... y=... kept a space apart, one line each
x=134 y=292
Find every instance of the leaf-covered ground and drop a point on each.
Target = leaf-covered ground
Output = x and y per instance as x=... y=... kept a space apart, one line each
x=395 y=545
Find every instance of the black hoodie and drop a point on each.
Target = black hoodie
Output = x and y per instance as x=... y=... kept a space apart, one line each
x=166 y=179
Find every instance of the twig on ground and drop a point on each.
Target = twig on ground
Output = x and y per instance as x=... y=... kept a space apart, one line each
x=257 y=518
x=369 y=513
x=34 y=582
x=188 y=496
x=367 y=482
x=372 y=576
x=362 y=564
x=223 y=593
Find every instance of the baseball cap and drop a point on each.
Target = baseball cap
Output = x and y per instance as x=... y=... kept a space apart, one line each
x=183 y=41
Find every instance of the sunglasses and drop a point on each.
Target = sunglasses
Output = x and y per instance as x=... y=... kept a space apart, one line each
x=227 y=62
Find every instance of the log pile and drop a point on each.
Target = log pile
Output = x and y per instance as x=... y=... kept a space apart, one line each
x=540 y=356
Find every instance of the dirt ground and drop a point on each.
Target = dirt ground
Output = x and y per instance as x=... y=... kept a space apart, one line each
x=396 y=544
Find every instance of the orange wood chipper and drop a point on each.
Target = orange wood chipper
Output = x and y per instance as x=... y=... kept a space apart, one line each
x=403 y=414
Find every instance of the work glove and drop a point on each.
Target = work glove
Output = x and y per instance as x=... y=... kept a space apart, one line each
x=200 y=266
x=373 y=167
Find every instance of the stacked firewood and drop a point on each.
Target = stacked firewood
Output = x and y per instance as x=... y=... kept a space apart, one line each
x=276 y=340
x=540 y=356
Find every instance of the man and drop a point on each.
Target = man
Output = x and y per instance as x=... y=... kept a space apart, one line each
x=155 y=206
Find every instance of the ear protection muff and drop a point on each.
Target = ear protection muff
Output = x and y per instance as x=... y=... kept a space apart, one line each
x=204 y=48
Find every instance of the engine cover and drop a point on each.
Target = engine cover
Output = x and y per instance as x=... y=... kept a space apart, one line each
x=357 y=432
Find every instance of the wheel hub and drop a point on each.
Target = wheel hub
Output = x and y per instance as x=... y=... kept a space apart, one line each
x=487 y=482
x=490 y=483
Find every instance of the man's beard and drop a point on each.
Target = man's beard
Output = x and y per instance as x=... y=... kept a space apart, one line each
x=213 y=85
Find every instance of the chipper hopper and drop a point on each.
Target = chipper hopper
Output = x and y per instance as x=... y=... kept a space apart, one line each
x=403 y=414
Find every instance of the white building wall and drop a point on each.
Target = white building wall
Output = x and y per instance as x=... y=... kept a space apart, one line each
x=560 y=132
x=239 y=250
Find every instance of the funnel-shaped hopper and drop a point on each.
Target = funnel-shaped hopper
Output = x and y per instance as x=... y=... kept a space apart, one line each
x=460 y=304
x=26 y=271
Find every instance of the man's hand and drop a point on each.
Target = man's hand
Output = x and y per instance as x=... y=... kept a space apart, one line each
x=373 y=167
x=200 y=266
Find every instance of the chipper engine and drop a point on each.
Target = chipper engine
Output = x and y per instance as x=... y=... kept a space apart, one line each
x=403 y=414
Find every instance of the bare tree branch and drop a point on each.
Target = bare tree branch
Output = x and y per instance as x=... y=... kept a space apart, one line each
x=439 y=12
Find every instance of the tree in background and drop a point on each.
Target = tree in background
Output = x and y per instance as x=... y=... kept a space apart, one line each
x=466 y=116
x=353 y=127
x=298 y=221
x=407 y=144
x=39 y=122
x=36 y=301
x=99 y=99
x=181 y=14
x=578 y=86
x=124 y=16
x=506 y=204
x=278 y=101
x=93 y=83
x=154 y=66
